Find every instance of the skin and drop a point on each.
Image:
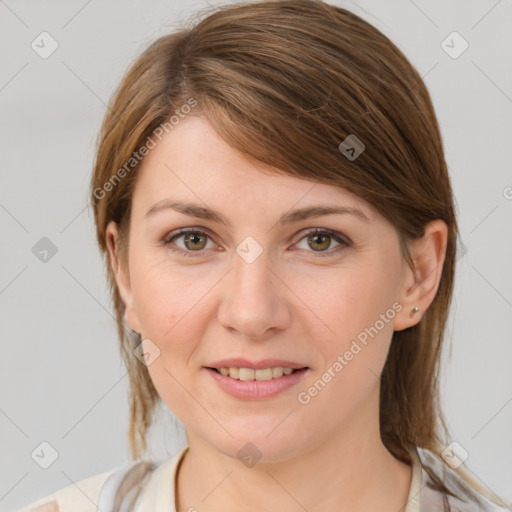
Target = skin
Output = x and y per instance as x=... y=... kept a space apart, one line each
x=290 y=302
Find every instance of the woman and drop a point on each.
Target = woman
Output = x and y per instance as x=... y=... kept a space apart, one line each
x=272 y=200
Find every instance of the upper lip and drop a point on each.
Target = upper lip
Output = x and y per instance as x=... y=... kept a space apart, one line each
x=240 y=362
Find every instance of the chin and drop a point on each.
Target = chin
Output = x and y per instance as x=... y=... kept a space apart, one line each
x=258 y=446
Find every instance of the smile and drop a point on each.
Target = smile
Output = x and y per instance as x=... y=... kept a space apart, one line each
x=252 y=384
x=253 y=374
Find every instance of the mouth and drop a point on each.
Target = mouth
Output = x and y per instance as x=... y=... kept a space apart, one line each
x=260 y=374
x=256 y=384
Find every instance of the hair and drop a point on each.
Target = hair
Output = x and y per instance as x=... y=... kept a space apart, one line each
x=285 y=82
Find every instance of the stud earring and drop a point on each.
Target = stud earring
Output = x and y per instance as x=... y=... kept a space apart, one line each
x=414 y=310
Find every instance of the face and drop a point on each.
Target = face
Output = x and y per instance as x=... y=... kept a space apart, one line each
x=319 y=292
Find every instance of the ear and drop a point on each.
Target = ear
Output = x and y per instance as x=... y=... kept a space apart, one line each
x=420 y=284
x=122 y=276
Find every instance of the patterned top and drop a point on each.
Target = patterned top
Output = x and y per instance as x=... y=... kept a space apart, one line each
x=143 y=486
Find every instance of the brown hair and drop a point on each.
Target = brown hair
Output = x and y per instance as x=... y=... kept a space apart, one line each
x=285 y=82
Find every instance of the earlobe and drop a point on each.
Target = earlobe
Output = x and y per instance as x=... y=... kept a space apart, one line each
x=121 y=275
x=420 y=284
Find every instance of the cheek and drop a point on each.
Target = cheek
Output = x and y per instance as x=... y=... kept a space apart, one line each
x=349 y=300
x=174 y=306
x=166 y=296
x=352 y=357
x=356 y=312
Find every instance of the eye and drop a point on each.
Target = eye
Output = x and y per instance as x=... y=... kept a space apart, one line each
x=193 y=241
x=319 y=240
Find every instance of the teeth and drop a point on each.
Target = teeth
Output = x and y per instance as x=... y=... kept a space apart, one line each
x=252 y=374
x=245 y=373
x=277 y=372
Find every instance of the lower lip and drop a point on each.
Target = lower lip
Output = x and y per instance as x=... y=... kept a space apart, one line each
x=257 y=389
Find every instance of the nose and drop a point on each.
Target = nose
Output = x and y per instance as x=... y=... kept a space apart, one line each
x=254 y=299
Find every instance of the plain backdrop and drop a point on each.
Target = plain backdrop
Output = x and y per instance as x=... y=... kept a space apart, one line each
x=62 y=381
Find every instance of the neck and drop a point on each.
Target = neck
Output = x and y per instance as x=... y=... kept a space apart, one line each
x=346 y=473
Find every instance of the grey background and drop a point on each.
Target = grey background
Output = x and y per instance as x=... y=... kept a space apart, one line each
x=62 y=380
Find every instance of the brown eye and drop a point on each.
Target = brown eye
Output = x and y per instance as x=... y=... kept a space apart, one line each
x=195 y=241
x=320 y=241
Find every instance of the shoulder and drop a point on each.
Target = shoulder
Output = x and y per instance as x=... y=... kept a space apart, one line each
x=160 y=488
x=138 y=482
x=81 y=496
x=465 y=498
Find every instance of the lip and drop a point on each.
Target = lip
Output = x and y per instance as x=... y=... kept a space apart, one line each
x=240 y=362
x=257 y=389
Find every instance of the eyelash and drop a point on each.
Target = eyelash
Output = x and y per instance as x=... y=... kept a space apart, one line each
x=315 y=231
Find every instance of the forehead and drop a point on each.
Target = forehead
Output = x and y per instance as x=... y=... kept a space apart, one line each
x=193 y=163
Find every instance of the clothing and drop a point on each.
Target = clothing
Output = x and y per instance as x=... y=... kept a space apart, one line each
x=96 y=493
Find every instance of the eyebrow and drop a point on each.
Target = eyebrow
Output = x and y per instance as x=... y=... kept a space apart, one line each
x=297 y=215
